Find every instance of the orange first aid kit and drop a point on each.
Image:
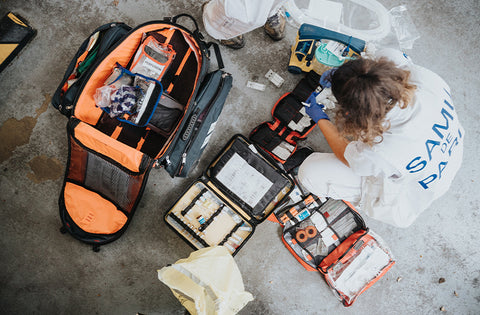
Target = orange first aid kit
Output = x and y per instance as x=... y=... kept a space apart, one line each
x=330 y=236
x=135 y=98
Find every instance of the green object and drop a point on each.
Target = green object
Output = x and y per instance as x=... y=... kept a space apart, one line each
x=326 y=57
x=88 y=61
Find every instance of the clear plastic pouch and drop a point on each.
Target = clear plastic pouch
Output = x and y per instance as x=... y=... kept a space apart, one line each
x=349 y=273
x=129 y=97
x=152 y=58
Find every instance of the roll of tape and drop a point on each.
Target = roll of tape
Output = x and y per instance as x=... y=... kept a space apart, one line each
x=301 y=236
x=311 y=231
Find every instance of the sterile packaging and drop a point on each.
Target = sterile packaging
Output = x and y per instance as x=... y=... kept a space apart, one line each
x=404 y=27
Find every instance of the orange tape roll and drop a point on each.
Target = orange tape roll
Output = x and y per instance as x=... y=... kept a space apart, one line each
x=311 y=231
x=301 y=236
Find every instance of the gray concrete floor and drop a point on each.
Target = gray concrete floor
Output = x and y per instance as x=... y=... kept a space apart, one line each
x=45 y=272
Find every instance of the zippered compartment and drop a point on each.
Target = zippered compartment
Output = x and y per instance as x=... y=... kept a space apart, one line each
x=100 y=193
x=199 y=124
x=350 y=272
x=204 y=217
x=65 y=95
x=291 y=123
x=188 y=73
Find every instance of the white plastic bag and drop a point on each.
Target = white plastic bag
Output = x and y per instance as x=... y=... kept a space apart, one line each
x=207 y=282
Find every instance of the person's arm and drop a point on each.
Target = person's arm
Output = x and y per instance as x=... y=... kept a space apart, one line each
x=335 y=140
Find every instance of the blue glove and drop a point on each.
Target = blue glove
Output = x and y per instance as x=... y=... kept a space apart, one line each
x=325 y=78
x=315 y=111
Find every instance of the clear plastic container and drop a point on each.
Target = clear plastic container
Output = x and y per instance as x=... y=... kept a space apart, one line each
x=364 y=19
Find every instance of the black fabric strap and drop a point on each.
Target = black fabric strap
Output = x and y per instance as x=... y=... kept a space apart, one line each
x=218 y=54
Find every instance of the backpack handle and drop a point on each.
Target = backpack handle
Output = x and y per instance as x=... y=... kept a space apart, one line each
x=218 y=54
x=196 y=31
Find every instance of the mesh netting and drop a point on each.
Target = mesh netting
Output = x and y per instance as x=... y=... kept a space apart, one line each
x=111 y=182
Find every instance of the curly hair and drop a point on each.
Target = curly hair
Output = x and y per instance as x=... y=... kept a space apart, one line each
x=366 y=90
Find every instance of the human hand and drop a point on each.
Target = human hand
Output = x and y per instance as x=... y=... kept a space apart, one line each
x=326 y=77
x=316 y=112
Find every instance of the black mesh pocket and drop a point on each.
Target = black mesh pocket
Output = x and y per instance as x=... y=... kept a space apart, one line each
x=165 y=118
x=111 y=181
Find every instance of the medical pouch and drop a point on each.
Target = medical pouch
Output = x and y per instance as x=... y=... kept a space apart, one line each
x=114 y=147
x=330 y=236
x=291 y=123
x=239 y=190
x=152 y=58
x=355 y=265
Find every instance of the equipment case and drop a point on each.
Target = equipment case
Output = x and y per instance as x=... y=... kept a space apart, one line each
x=238 y=191
x=15 y=34
x=330 y=236
x=110 y=158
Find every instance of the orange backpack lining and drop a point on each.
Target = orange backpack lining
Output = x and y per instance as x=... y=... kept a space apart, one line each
x=85 y=109
x=103 y=144
x=91 y=212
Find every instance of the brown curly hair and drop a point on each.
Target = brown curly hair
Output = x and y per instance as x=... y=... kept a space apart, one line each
x=366 y=90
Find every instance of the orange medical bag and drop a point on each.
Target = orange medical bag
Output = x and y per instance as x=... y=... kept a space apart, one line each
x=331 y=237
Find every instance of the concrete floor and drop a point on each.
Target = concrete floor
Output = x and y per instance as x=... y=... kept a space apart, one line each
x=45 y=272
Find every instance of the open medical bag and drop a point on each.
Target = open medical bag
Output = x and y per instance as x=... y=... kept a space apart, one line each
x=330 y=236
x=174 y=108
x=291 y=123
x=239 y=190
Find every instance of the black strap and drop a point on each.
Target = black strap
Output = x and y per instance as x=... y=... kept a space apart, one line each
x=196 y=31
x=218 y=54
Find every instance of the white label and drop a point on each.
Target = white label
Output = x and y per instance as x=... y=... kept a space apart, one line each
x=256 y=86
x=275 y=78
x=336 y=48
x=154 y=69
x=244 y=180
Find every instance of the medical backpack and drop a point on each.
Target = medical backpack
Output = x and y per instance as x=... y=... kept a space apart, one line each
x=169 y=125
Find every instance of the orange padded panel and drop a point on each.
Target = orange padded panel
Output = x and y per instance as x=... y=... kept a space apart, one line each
x=91 y=212
x=103 y=144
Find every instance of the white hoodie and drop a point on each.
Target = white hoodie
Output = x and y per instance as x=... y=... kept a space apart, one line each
x=420 y=153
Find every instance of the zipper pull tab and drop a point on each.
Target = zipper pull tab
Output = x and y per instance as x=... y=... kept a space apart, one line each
x=181 y=165
x=167 y=161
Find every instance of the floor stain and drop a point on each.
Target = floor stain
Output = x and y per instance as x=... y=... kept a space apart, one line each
x=44 y=168
x=15 y=133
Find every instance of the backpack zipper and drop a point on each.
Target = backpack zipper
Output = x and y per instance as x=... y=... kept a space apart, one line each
x=200 y=118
